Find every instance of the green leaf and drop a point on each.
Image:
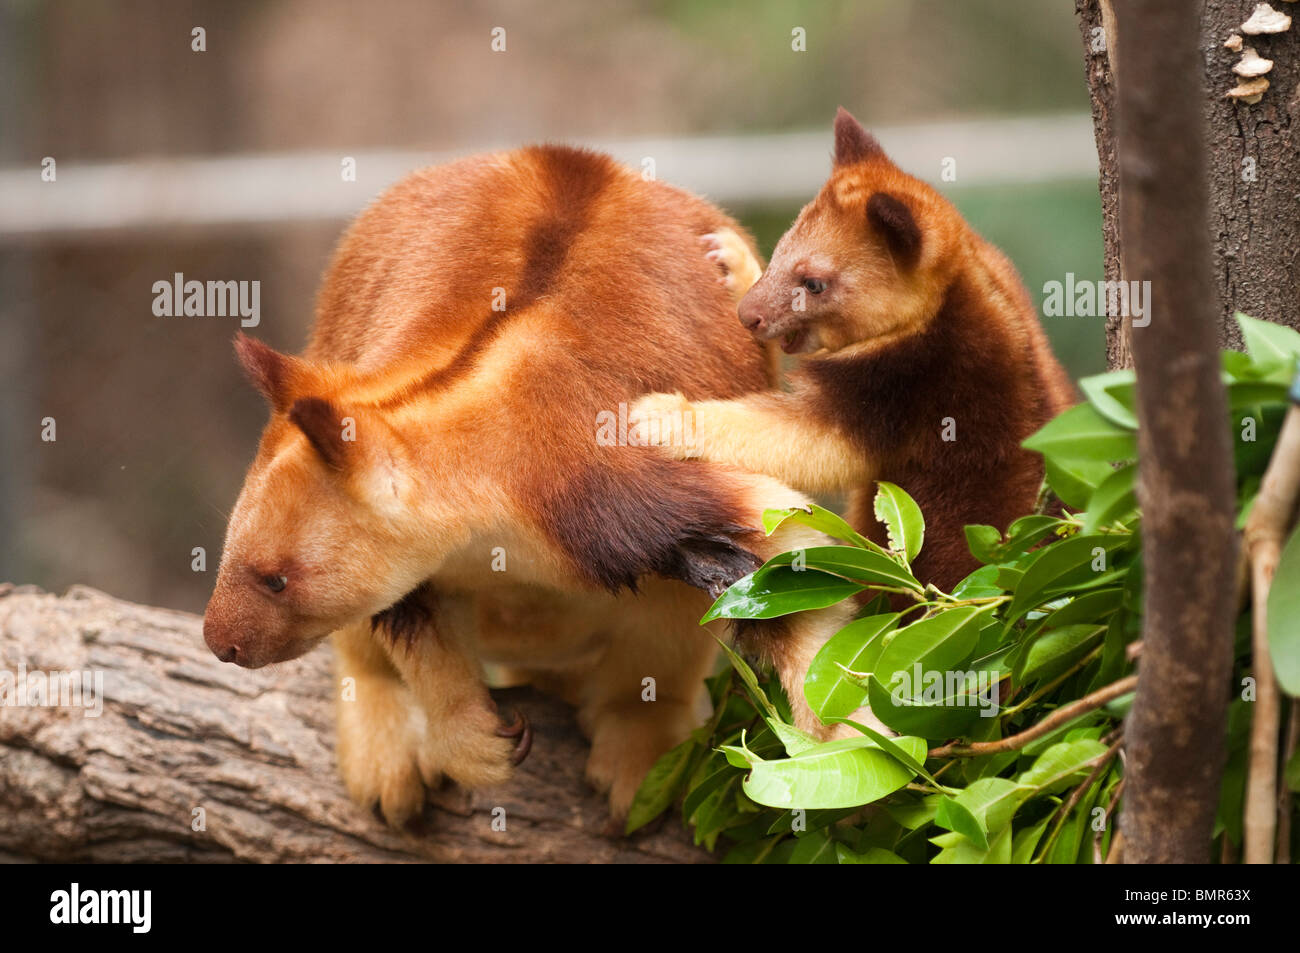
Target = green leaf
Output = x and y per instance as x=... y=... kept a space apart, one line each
x=659 y=789
x=994 y=801
x=1057 y=650
x=1251 y=457
x=1082 y=434
x=872 y=855
x=965 y=852
x=711 y=782
x=983 y=541
x=1243 y=395
x=938 y=644
x=1074 y=481
x=750 y=680
x=855 y=647
x=981 y=584
x=1060 y=764
x=902 y=519
x=1269 y=344
x=1009 y=577
x=1121 y=706
x=1114 y=396
x=1027 y=532
x=1283 y=616
x=784 y=822
x=846 y=773
x=792 y=739
x=847 y=562
x=1088 y=607
x=1114 y=498
x=887 y=745
x=816 y=848
x=720 y=811
x=1069 y=847
x=914 y=815
x=818 y=518
x=1025 y=841
x=779 y=590
x=1064 y=566
x=751 y=852
x=955 y=816
x=1237 y=365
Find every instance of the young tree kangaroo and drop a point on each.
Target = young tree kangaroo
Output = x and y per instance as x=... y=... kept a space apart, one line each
x=444 y=481
x=922 y=361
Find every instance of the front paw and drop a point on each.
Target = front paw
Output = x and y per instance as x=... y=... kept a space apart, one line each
x=390 y=755
x=625 y=744
x=740 y=269
x=666 y=421
x=379 y=734
x=475 y=749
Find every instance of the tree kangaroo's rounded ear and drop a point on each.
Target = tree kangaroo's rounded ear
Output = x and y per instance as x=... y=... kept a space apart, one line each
x=272 y=373
x=896 y=224
x=852 y=142
x=331 y=432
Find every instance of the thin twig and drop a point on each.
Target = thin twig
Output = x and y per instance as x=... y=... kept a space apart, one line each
x=1054 y=683
x=1283 y=855
x=1266 y=529
x=1110 y=813
x=1065 y=713
x=1116 y=855
x=1099 y=765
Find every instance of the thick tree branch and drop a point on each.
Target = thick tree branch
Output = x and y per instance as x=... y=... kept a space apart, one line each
x=252 y=753
x=1175 y=732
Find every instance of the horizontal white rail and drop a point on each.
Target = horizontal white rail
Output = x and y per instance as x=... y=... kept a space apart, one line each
x=308 y=186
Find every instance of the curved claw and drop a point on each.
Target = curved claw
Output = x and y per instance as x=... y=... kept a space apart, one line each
x=521 y=729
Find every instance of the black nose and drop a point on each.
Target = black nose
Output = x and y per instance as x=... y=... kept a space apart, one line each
x=228 y=654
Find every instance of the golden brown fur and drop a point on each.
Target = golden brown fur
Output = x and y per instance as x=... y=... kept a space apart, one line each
x=925 y=362
x=431 y=490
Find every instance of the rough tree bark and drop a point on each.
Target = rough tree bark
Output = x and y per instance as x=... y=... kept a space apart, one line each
x=1097 y=24
x=254 y=751
x=1253 y=164
x=1175 y=732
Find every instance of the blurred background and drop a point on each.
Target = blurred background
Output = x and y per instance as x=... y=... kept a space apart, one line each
x=224 y=164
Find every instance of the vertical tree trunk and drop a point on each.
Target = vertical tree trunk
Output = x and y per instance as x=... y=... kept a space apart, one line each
x=1097 y=24
x=1175 y=733
x=1254 y=172
x=1253 y=164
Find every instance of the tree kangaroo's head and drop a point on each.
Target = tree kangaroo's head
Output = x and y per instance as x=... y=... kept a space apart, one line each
x=323 y=533
x=869 y=257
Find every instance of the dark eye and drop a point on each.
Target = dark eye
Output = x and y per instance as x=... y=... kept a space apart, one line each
x=814 y=285
x=275 y=583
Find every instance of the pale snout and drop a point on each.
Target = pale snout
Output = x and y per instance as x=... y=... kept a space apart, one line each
x=240 y=631
x=225 y=641
x=753 y=312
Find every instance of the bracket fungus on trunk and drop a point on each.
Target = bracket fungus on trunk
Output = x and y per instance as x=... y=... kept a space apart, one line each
x=1265 y=19
x=1251 y=68
x=1249 y=91
x=1252 y=64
